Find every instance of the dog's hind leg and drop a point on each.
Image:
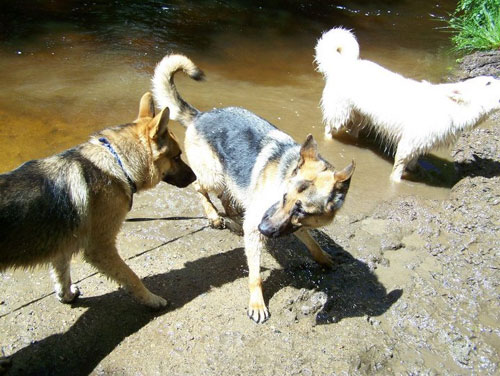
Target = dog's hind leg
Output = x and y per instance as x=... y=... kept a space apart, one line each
x=214 y=219
x=106 y=259
x=319 y=255
x=61 y=275
x=254 y=245
x=233 y=222
x=328 y=131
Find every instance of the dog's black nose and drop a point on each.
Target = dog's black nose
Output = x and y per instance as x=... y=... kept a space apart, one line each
x=268 y=230
x=183 y=176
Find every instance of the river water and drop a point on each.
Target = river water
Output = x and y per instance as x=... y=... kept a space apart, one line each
x=69 y=68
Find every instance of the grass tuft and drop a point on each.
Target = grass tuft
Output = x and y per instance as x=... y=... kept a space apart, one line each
x=476 y=24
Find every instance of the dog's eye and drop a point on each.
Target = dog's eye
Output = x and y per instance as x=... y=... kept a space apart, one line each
x=303 y=186
x=488 y=83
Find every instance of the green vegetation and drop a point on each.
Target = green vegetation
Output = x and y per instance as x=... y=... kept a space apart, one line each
x=476 y=24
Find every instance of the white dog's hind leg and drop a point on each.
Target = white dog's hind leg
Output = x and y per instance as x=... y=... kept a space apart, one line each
x=328 y=132
x=353 y=131
x=332 y=130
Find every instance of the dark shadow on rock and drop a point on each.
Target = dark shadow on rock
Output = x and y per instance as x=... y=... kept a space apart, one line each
x=434 y=171
x=112 y=317
x=352 y=289
x=149 y=219
x=431 y=170
x=478 y=166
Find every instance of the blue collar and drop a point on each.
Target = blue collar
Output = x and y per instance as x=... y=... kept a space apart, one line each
x=133 y=187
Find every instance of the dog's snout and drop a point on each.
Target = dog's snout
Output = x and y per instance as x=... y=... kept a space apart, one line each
x=181 y=178
x=266 y=226
x=188 y=178
x=276 y=222
x=267 y=229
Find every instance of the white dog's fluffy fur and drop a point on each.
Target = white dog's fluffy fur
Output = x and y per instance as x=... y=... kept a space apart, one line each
x=412 y=116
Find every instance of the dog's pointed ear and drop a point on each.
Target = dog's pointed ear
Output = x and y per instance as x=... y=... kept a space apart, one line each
x=146 y=106
x=456 y=96
x=345 y=174
x=159 y=125
x=309 y=149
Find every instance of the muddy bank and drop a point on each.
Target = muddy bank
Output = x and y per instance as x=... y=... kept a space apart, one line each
x=414 y=291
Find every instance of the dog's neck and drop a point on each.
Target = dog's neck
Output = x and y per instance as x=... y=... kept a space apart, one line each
x=133 y=187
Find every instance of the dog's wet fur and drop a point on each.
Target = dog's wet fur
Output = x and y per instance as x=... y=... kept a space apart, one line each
x=77 y=200
x=412 y=117
x=260 y=173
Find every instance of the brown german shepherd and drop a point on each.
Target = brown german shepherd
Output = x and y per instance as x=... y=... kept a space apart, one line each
x=51 y=208
x=259 y=172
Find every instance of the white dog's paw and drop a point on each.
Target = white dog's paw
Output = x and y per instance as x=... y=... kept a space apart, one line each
x=396 y=177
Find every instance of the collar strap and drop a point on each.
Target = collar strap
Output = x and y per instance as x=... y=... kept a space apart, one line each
x=104 y=141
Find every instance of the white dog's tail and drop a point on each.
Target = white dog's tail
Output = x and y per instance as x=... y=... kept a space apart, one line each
x=338 y=43
x=164 y=91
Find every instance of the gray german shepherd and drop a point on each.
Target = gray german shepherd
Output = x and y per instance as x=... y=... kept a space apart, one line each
x=278 y=186
x=51 y=208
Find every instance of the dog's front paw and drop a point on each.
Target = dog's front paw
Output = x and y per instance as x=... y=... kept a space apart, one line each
x=68 y=296
x=155 y=302
x=258 y=312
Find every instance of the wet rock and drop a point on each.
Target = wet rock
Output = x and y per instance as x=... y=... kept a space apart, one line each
x=480 y=158
x=479 y=64
x=461 y=347
x=391 y=242
x=307 y=303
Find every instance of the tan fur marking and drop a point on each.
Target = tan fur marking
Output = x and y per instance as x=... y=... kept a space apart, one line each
x=269 y=173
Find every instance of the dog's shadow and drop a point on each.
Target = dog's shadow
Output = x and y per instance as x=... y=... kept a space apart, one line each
x=112 y=317
x=431 y=170
x=478 y=166
x=352 y=290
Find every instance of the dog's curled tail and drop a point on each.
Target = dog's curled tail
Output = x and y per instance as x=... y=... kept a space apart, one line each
x=165 y=92
x=337 y=43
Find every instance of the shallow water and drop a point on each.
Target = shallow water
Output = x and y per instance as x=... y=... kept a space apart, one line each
x=71 y=68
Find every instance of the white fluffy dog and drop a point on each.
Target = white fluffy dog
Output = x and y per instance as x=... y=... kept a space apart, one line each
x=412 y=116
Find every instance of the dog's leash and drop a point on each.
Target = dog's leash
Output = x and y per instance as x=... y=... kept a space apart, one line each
x=104 y=141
